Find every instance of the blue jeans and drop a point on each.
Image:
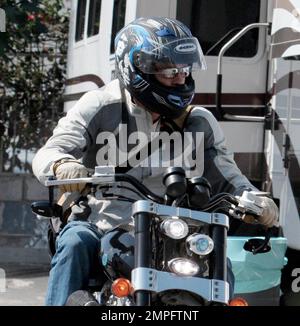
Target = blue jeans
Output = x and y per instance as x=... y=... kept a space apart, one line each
x=77 y=248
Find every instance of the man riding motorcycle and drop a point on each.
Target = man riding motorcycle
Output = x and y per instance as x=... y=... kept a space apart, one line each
x=155 y=60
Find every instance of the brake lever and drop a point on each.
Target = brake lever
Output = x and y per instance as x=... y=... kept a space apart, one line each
x=250 y=204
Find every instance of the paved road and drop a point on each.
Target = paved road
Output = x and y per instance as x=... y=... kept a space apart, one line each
x=24 y=285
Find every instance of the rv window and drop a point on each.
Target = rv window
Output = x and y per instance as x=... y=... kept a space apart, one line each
x=80 y=18
x=214 y=22
x=94 y=17
x=118 y=20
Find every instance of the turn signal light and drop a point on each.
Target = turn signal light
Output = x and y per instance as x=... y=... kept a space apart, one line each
x=121 y=287
x=238 y=302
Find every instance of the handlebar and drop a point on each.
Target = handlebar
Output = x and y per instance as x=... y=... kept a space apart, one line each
x=103 y=179
x=234 y=206
x=103 y=176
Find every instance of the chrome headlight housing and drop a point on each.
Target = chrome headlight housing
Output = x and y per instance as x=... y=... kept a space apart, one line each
x=174 y=228
x=183 y=266
x=200 y=244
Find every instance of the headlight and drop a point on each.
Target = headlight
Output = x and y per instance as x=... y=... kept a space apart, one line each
x=183 y=267
x=175 y=228
x=200 y=244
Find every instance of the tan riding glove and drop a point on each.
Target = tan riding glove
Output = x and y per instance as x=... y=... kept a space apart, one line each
x=270 y=214
x=259 y=208
x=70 y=169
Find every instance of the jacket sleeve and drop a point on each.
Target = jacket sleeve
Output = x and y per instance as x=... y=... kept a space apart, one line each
x=70 y=138
x=220 y=168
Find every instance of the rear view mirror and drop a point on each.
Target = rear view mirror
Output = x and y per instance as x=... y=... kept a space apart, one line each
x=45 y=209
x=257 y=246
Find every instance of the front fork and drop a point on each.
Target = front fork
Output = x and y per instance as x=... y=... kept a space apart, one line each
x=219 y=255
x=218 y=259
x=142 y=252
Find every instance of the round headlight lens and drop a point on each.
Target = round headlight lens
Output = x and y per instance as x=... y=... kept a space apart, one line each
x=200 y=244
x=183 y=267
x=175 y=228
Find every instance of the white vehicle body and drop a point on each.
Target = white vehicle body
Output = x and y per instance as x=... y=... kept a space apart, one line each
x=261 y=80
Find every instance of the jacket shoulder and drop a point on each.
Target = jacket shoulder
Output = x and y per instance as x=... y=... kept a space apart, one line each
x=107 y=94
x=200 y=115
x=200 y=119
x=92 y=102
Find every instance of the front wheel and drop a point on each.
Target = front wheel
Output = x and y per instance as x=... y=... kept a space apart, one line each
x=82 y=298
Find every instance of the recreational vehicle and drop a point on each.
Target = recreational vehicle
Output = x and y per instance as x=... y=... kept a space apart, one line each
x=252 y=82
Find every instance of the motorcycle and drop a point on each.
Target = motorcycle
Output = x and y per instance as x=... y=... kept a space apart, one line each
x=175 y=250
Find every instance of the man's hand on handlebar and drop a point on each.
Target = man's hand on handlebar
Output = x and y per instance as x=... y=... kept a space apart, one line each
x=270 y=215
x=260 y=208
x=70 y=169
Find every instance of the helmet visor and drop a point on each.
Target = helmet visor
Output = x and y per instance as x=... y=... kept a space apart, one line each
x=185 y=52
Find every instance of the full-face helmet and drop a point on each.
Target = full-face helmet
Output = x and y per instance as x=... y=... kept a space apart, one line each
x=146 y=45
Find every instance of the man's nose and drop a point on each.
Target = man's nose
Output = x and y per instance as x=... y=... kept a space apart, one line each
x=179 y=79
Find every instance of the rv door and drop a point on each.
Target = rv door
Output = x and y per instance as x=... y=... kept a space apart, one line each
x=283 y=140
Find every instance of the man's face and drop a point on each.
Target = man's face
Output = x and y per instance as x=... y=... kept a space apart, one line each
x=172 y=75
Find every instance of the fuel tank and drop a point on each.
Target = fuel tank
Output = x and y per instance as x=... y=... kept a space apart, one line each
x=117 y=252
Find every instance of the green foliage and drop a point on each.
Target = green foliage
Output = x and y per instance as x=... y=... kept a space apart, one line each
x=32 y=73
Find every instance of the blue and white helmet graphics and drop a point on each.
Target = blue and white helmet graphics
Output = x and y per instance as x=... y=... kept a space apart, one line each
x=148 y=43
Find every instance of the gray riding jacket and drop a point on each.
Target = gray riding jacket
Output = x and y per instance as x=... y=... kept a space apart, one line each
x=100 y=115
